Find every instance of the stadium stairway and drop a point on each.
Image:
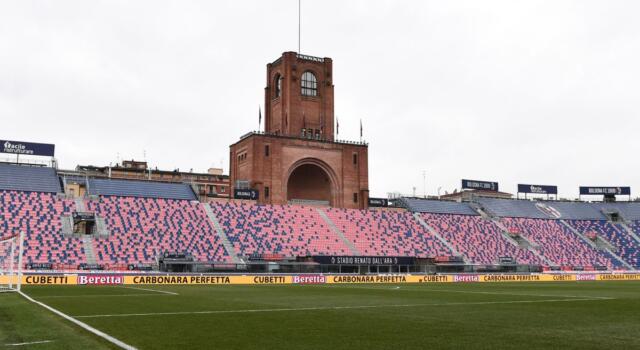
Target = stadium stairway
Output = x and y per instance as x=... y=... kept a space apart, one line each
x=521 y=242
x=338 y=232
x=220 y=232
x=628 y=230
x=80 y=204
x=603 y=245
x=437 y=236
x=67 y=225
x=87 y=244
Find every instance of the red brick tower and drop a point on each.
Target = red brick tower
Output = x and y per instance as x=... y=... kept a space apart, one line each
x=297 y=158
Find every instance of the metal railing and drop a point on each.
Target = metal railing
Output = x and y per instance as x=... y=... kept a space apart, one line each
x=310 y=58
x=343 y=142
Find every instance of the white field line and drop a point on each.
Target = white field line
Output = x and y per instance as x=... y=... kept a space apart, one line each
x=81 y=324
x=419 y=289
x=321 y=308
x=157 y=292
x=150 y=290
x=30 y=343
x=100 y=295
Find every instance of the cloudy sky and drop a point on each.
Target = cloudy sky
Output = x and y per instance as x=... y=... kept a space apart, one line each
x=543 y=92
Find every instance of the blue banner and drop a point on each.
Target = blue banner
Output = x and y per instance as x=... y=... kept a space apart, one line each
x=364 y=260
x=245 y=194
x=378 y=202
x=27 y=148
x=611 y=190
x=540 y=189
x=480 y=185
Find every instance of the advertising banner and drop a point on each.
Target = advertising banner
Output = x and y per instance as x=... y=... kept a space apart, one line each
x=611 y=190
x=378 y=202
x=364 y=260
x=538 y=189
x=154 y=279
x=245 y=194
x=479 y=185
x=27 y=148
x=100 y=279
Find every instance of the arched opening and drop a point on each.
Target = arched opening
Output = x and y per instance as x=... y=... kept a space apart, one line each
x=277 y=82
x=309 y=84
x=309 y=183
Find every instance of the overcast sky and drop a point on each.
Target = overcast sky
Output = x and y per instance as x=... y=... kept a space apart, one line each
x=542 y=92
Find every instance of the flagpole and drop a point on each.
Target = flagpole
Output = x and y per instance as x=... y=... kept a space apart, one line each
x=299 y=20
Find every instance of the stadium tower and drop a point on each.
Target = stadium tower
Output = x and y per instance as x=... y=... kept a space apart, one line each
x=297 y=159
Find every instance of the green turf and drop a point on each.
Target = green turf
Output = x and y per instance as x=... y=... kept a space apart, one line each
x=435 y=316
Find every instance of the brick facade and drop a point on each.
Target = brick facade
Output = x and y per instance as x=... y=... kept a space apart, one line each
x=297 y=158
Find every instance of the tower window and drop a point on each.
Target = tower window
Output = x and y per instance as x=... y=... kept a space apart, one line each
x=266 y=150
x=309 y=84
x=355 y=198
x=278 y=85
x=355 y=159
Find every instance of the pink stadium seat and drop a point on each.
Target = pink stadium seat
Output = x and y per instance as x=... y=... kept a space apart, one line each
x=558 y=244
x=143 y=228
x=479 y=240
x=387 y=233
x=285 y=230
x=626 y=246
x=38 y=215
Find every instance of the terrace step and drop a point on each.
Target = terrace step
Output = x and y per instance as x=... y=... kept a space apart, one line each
x=223 y=236
x=522 y=242
x=87 y=243
x=101 y=227
x=600 y=244
x=628 y=230
x=67 y=225
x=484 y=213
x=437 y=236
x=338 y=232
x=80 y=205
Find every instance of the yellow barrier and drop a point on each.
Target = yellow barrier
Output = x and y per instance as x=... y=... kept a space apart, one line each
x=105 y=278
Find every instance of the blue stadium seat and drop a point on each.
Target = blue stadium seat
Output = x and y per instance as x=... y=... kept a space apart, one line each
x=438 y=207
x=28 y=178
x=146 y=189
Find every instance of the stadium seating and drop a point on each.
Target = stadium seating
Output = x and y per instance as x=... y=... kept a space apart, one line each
x=147 y=189
x=628 y=210
x=577 y=210
x=146 y=219
x=143 y=228
x=387 y=233
x=285 y=230
x=38 y=215
x=512 y=208
x=558 y=244
x=438 y=207
x=626 y=246
x=28 y=178
x=479 y=240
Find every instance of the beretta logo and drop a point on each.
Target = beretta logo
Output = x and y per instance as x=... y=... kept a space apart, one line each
x=589 y=277
x=309 y=279
x=466 y=278
x=100 y=279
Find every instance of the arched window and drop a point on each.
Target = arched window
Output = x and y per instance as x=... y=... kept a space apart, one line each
x=278 y=85
x=309 y=84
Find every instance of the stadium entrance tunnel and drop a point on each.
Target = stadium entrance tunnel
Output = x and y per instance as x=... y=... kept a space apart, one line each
x=310 y=182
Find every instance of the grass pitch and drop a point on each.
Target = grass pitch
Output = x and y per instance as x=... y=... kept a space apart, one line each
x=573 y=315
